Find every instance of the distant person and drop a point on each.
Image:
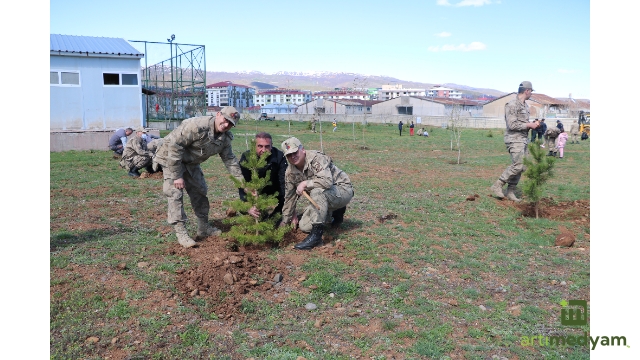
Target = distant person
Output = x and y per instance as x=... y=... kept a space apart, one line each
x=335 y=125
x=516 y=116
x=540 y=131
x=534 y=132
x=276 y=163
x=411 y=129
x=562 y=140
x=118 y=140
x=400 y=127
x=551 y=135
x=575 y=132
x=314 y=120
x=136 y=156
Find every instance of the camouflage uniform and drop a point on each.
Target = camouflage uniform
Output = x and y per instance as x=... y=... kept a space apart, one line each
x=313 y=124
x=181 y=153
x=575 y=132
x=135 y=154
x=154 y=145
x=328 y=186
x=551 y=135
x=516 y=116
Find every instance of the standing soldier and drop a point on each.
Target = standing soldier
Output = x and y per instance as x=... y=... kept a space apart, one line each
x=516 y=116
x=181 y=153
x=328 y=186
x=314 y=120
x=136 y=156
x=575 y=132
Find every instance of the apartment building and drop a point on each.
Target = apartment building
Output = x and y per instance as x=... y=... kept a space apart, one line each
x=342 y=94
x=281 y=96
x=226 y=93
x=444 y=92
x=388 y=92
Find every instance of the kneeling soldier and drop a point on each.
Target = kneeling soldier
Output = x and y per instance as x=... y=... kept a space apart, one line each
x=328 y=186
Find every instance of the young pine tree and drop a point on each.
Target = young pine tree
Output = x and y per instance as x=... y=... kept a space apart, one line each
x=245 y=228
x=539 y=170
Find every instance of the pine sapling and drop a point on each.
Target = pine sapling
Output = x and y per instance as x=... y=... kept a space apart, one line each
x=539 y=170
x=245 y=228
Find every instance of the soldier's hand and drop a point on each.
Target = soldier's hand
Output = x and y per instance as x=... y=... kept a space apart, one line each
x=178 y=183
x=301 y=187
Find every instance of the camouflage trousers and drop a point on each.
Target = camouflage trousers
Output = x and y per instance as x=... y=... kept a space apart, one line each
x=511 y=175
x=196 y=188
x=575 y=137
x=551 y=144
x=333 y=198
x=139 y=161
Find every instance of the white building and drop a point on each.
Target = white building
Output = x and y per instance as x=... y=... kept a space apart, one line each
x=443 y=92
x=281 y=96
x=342 y=94
x=388 y=92
x=94 y=83
x=226 y=93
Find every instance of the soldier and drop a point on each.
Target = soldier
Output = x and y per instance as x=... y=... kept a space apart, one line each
x=118 y=141
x=136 y=156
x=328 y=186
x=516 y=116
x=575 y=132
x=314 y=120
x=181 y=153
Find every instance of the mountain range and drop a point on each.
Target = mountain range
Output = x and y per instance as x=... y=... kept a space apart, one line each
x=317 y=81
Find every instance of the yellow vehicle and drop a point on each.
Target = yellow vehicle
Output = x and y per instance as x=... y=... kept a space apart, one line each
x=584 y=119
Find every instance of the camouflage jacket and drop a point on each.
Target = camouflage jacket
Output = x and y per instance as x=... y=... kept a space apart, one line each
x=516 y=117
x=135 y=146
x=318 y=172
x=575 y=129
x=193 y=142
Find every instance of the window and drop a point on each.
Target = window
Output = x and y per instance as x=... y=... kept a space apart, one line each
x=111 y=79
x=66 y=78
x=129 y=79
x=119 y=79
x=70 y=78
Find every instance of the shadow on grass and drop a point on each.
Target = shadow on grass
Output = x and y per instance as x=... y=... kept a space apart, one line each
x=64 y=239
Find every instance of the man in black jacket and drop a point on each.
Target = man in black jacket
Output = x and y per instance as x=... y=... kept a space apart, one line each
x=276 y=162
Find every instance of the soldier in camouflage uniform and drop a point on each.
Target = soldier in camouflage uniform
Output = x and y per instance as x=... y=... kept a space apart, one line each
x=136 y=156
x=328 y=186
x=516 y=116
x=180 y=155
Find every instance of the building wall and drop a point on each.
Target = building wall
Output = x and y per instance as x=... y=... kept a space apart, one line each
x=93 y=105
x=84 y=139
x=420 y=107
x=496 y=107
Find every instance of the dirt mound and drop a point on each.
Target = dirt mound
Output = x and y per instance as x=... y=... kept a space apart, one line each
x=224 y=274
x=549 y=208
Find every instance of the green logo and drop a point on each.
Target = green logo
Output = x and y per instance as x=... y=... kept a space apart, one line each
x=573 y=316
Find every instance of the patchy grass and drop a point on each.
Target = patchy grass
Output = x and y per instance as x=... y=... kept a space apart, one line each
x=405 y=277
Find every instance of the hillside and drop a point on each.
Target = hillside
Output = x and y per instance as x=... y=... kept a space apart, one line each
x=329 y=80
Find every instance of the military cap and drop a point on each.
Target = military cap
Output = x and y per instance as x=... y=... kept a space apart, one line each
x=230 y=113
x=526 y=85
x=290 y=145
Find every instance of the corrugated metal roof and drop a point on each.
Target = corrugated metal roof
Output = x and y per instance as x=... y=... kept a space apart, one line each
x=92 y=45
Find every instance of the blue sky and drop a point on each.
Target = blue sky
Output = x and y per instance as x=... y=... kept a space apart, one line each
x=479 y=43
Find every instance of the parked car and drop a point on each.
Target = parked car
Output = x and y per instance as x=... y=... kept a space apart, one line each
x=264 y=116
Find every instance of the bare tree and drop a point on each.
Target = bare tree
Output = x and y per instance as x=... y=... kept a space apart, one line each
x=455 y=127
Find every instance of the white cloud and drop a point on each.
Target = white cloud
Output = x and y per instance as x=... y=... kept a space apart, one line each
x=565 y=71
x=474 y=46
x=443 y=34
x=467 y=2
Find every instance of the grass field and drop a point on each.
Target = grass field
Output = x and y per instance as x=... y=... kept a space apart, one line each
x=426 y=266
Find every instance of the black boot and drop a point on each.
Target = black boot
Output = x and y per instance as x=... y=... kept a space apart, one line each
x=550 y=153
x=338 y=217
x=134 y=172
x=149 y=169
x=313 y=239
